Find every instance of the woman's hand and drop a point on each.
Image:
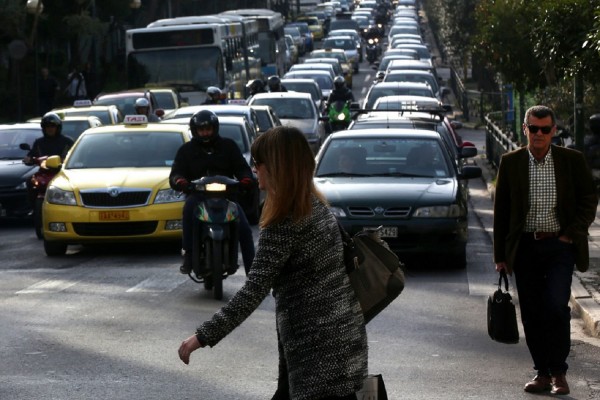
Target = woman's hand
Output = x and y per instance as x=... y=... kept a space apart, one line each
x=187 y=347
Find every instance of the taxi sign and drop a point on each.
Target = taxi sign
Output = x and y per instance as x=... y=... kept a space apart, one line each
x=82 y=103
x=237 y=101
x=136 y=119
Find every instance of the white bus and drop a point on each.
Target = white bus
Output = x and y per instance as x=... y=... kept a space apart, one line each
x=270 y=37
x=193 y=53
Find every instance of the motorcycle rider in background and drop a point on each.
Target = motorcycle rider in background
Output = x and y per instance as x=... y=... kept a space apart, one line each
x=274 y=84
x=214 y=96
x=142 y=107
x=209 y=154
x=53 y=143
x=255 y=86
x=340 y=92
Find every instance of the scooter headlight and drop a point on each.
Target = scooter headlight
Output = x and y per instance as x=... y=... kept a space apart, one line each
x=341 y=117
x=371 y=41
x=215 y=187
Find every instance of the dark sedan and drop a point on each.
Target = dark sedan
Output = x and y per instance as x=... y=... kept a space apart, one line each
x=13 y=173
x=403 y=180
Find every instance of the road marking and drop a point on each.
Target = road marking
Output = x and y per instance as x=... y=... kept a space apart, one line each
x=159 y=283
x=48 y=286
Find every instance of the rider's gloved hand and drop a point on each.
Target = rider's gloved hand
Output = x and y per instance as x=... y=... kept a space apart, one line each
x=183 y=185
x=246 y=182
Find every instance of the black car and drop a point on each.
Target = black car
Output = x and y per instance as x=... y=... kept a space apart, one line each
x=14 y=175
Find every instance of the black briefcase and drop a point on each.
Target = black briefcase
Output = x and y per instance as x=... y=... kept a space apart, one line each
x=501 y=314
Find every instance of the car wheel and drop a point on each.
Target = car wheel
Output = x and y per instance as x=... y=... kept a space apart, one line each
x=54 y=249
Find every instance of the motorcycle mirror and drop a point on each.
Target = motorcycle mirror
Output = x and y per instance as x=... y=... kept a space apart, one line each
x=54 y=162
x=25 y=146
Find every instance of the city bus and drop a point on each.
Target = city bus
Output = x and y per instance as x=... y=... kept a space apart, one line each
x=270 y=37
x=192 y=54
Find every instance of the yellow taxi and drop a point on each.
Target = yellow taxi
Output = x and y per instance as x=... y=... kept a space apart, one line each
x=114 y=187
x=347 y=67
x=108 y=115
x=314 y=25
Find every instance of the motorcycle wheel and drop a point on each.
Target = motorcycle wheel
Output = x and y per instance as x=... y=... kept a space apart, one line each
x=217 y=269
x=208 y=282
x=37 y=218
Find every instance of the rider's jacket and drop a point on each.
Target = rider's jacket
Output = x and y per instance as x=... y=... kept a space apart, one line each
x=58 y=145
x=195 y=159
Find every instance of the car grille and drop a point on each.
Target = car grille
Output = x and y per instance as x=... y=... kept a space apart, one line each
x=122 y=199
x=115 y=228
x=393 y=212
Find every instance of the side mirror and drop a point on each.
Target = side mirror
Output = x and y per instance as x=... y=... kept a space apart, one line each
x=468 y=151
x=25 y=146
x=159 y=112
x=54 y=162
x=470 y=172
x=456 y=125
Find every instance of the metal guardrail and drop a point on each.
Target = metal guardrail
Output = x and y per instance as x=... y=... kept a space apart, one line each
x=497 y=142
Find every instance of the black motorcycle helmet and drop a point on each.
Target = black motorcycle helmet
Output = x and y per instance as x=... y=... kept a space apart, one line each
x=201 y=119
x=51 y=119
x=339 y=82
x=595 y=124
x=255 y=86
x=274 y=83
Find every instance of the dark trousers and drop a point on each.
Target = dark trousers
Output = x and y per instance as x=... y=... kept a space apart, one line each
x=544 y=271
x=246 y=240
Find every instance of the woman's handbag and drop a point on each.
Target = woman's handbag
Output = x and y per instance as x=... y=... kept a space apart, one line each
x=501 y=314
x=374 y=271
x=373 y=389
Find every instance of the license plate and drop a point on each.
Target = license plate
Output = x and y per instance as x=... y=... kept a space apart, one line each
x=114 y=215
x=386 y=231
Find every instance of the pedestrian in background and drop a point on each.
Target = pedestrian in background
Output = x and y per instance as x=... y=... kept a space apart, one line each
x=48 y=87
x=321 y=332
x=75 y=89
x=544 y=204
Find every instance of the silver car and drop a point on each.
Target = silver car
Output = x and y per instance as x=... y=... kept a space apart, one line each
x=298 y=110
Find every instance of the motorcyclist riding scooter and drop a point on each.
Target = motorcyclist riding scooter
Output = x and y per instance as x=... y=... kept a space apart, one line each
x=275 y=85
x=53 y=143
x=209 y=154
x=338 y=105
x=214 y=95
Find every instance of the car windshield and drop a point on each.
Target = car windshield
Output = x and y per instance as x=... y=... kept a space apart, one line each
x=408 y=77
x=73 y=129
x=289 y=108
x=10 y=139
x=378 y=92
x=313 y=90
x=401 y=157
x=125 y=104
x=344 y=44
x=165 y=100
x=125 y=150
x=341 y=56
x=103 y=116
x=235 y=132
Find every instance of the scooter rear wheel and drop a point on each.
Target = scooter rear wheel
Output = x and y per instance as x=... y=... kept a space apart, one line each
x=217 y=269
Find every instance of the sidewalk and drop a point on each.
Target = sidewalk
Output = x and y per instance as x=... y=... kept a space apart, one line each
x=585 y=290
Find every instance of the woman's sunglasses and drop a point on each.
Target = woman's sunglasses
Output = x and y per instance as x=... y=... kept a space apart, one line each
x=534 y=129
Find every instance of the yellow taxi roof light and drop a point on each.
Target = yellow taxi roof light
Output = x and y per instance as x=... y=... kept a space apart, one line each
x=82 y=103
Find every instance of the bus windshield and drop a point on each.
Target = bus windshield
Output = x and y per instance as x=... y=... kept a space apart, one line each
x=187 y=69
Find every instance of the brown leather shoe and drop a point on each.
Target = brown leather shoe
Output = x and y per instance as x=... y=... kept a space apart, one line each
x=541 y=383
x=559 y=384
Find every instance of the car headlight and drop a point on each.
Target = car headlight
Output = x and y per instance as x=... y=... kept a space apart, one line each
x=451 y=211
x=337 y=212
x=55 y=195
x=168 y=196
x=21 y=186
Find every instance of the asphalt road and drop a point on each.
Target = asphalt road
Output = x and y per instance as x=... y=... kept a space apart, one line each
x=106 y=322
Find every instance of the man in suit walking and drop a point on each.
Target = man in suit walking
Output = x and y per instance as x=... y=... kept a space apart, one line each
x=544 y=204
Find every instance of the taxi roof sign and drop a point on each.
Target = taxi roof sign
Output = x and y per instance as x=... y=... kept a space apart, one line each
x=136 y=119
x=82 y=103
